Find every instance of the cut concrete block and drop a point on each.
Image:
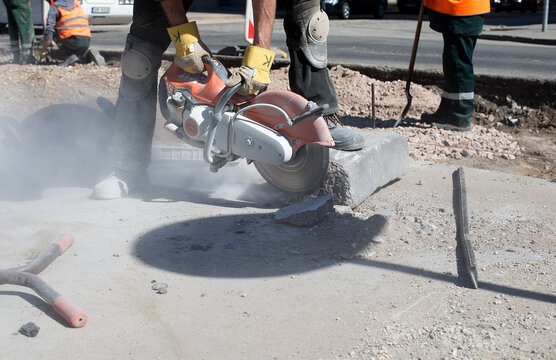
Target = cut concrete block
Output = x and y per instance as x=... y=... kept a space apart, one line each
x=354 y=176
x=306 y=213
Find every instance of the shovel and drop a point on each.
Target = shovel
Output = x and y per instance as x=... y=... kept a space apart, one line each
x=412 y=63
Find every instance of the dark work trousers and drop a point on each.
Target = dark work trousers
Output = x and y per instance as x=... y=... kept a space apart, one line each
x=460 y=35
x=136 y=103
x=21 y=29
x=77 y=45
x=305 y=79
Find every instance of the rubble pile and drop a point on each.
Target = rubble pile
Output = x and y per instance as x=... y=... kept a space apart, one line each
x=432 y=144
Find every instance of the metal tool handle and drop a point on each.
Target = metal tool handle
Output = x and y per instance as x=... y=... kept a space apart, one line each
x=216 y=118
x=412 y=64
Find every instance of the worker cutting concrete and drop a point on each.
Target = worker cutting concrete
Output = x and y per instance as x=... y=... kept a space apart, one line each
x=68 y=26
x=157 y=23
x=461 y=23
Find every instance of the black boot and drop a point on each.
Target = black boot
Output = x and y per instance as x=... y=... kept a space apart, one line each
x=444 y=120
x=16 y=52
x=345 y=139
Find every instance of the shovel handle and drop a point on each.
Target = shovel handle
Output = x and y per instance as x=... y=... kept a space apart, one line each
x=416 y=40
x=412 y=64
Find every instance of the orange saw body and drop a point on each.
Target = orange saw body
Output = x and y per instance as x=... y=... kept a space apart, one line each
x=284 y=134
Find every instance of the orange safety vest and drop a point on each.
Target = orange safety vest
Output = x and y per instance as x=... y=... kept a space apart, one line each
x=73 y=22
x=459 y=7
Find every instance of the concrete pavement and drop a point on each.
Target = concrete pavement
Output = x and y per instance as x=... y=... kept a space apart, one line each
x=531 y=34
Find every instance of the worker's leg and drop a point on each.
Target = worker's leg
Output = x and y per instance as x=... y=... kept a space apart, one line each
x=460 y=36
x=306 y=27
x=14 y=32
x=77 y=45
x=74 y=48
x=308 y=74
x=459 y=79
x=136 y=104
x=23 y=21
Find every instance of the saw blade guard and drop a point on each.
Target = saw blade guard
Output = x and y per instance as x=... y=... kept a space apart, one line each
x=312 y=129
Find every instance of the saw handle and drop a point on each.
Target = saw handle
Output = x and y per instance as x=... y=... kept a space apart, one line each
x=314 y=110
x=216 y=118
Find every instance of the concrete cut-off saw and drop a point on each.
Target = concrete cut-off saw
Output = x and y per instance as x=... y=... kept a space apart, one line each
x=282 y=133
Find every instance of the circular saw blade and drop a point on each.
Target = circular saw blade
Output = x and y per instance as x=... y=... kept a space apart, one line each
x=304 y=173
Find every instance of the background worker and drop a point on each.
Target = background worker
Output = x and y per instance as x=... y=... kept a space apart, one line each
x=21 y=29
x=157 y=23
x=68 y=26
x=460 y=23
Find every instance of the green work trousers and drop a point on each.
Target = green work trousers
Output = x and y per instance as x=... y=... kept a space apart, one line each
x=460 y=35
x=20 y=23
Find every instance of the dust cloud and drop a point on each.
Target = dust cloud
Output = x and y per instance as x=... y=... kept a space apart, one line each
x=69 y=145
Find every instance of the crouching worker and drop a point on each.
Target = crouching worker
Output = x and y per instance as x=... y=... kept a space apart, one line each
x=68 y=26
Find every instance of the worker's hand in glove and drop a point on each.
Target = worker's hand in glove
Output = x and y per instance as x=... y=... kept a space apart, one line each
x=189 y=47
x=254 y=71
x=44 y=58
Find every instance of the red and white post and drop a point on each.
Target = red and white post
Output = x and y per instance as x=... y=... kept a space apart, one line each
x=249 y=24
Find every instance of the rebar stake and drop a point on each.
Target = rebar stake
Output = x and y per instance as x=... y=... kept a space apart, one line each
x=373 y=104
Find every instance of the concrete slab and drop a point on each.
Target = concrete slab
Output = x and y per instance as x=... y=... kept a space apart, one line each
x=354 y=176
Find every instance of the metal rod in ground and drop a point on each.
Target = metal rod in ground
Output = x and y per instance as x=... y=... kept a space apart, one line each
x=373 y=104
x=465 y=255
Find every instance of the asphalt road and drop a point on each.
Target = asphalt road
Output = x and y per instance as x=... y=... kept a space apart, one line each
x=388 y=43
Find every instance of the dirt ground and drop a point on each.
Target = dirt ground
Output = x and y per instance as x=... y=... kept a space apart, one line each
x=375 y=282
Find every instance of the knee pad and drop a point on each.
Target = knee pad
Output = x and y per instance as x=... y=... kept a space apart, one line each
x=139 y=62
x=314 y=26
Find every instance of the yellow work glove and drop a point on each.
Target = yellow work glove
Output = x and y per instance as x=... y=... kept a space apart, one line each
x=44 y=57
x=254 y=70
x=189 y=47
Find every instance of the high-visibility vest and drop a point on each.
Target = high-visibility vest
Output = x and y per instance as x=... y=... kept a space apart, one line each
x=459 y=7
x=73 y=22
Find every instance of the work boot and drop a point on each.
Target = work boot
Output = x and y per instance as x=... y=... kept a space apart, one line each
x=72 y=59
x=443 y=120
x=15 y=49
x=93 y=55
x=120 y=184
x=345 y=139
x=26 y=55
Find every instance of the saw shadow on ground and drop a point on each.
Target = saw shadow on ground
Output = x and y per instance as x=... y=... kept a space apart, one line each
x=253 y=246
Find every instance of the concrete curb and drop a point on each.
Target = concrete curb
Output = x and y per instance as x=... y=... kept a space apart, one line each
x=520 y=39
x=354 y=176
